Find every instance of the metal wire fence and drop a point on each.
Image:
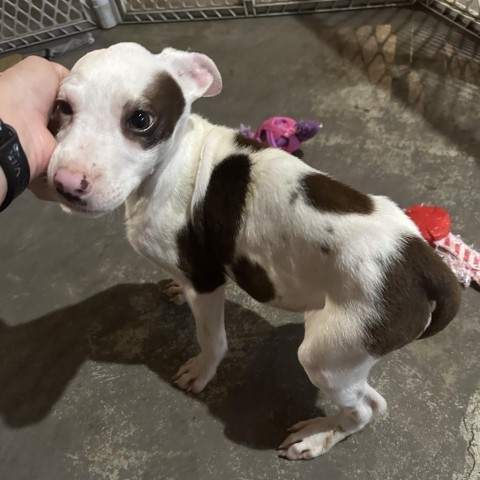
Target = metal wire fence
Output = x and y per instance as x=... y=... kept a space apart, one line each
x=464 y=13
x=28 y=22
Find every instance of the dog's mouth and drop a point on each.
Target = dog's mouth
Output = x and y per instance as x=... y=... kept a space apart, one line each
x=71 y=199
x=75 y=204
x=84 y=210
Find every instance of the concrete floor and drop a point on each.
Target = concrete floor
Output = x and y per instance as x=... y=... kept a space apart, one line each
x=88 y=343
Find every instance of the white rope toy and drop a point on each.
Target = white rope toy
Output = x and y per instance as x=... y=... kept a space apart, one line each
x=434 y=225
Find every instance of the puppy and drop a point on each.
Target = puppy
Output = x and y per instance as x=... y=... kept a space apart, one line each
x=204 y=204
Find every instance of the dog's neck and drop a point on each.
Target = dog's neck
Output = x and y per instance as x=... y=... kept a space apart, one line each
x=173 y=177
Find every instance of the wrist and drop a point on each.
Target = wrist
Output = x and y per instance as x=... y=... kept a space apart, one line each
x=3 y=186
x=14 y=166
x=20 y=125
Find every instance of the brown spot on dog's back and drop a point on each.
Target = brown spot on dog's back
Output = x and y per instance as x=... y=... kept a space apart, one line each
x=164 y=100
x=328 y=195
x=415 y=278
x=245 y=142
x=253 y=279
x=224 y=204
x=207 y=244
x=197 y=262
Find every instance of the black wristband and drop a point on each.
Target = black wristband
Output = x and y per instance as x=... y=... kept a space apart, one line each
x=14 y=164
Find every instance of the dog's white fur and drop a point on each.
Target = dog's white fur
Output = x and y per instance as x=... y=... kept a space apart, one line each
x=163 y=185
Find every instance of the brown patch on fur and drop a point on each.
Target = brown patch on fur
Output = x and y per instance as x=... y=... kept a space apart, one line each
x=253 y=279
x=413 y=280
x=55 y=123
x=61 y=115
x=245 y=142
x=328 y=195
x=163 y=99
x=197 y=262
x=207 y=244
x=224 y=204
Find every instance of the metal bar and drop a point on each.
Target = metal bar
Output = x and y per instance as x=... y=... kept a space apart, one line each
x=24 y=24
x=268 y=7
x=459 y=19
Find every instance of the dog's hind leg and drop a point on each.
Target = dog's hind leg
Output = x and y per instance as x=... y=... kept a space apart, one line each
x=341 y=372
x=208 y=310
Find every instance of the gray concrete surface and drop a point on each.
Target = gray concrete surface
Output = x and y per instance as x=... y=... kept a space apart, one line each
x=88 y=343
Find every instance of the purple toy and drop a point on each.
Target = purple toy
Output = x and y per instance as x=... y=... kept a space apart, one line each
x=283 y=132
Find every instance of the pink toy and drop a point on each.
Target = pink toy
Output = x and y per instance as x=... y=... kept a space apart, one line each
x=434 y=225
x=283 y=132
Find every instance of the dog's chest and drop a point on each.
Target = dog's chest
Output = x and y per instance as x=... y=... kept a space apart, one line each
x=157 y=213
x=153 y=234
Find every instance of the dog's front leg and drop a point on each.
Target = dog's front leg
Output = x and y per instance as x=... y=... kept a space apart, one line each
x=208 y=310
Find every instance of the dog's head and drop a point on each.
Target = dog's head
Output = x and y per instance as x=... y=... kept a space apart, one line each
x=117 y=117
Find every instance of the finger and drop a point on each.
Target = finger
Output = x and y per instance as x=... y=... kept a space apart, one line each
x=60 y=70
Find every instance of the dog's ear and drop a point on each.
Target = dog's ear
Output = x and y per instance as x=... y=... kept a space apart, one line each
x=196 y=73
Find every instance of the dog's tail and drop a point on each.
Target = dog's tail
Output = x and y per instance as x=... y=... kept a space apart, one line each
x=442 y=287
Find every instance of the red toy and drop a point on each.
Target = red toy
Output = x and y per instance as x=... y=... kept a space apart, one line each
x=434 y=225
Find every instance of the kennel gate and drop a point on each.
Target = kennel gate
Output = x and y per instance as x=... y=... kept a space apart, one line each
x=29 y=22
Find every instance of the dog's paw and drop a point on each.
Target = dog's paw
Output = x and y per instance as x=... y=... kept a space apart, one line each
x=194 y=375
x=311 y=438
x=174 y=292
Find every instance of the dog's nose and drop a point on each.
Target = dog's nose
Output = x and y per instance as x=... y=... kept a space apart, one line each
x=72 y=184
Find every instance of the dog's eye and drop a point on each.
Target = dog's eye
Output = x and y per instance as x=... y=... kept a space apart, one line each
x=140 y=120
x=63 y=107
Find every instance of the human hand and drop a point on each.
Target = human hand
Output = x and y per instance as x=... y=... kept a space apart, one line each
x=27 y=95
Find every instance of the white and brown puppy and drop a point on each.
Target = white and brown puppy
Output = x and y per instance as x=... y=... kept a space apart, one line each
x=204 y=203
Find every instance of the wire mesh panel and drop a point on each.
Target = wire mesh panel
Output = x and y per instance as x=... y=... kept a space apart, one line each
x=471 y=7
x=174 y=10
x=285 y=7
x=177 y=10
x=27 y=22
x=464 y=13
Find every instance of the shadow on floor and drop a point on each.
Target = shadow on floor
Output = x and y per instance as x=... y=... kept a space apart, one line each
x=260 y=388
x=429 y=65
